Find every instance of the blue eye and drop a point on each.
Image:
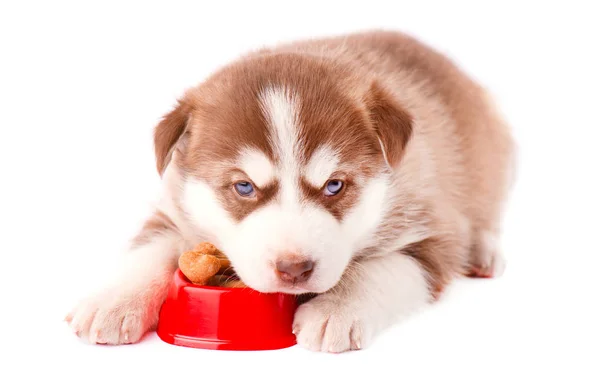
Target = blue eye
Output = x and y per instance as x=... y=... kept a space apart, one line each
x=333 y=187
x=245 y=189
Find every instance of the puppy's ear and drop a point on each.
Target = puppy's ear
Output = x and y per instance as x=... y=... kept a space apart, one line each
x=170 y=134
x=392 y=124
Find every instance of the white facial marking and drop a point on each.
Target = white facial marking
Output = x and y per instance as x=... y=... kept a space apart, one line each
x=322 y=164
x=364 y=218
x=206 y=211
x=257 y=166
x=280 y=106
x=271 y=232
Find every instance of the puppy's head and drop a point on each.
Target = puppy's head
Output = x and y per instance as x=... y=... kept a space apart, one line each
x=286 y=165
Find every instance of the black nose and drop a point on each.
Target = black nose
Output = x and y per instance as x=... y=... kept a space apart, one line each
x=294 y=271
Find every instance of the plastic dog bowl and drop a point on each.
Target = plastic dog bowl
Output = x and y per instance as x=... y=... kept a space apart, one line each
x=225 y=318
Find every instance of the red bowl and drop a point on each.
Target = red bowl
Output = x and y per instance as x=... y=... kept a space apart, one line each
x=225 y=318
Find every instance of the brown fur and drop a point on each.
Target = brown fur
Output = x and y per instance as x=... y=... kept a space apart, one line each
x=168 y=132
x=392 y=124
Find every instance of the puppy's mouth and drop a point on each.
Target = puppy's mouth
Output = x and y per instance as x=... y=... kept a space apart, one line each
x=295 y=289
x=301 y=288
x=292 y=289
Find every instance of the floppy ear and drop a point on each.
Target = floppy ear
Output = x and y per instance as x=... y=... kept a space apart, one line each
x=392 y=124
x=168 y=134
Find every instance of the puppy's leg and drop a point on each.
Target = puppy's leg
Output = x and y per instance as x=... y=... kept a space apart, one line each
x=376 y=293
x=129 y=308
x=371 y=295
x=486 y=259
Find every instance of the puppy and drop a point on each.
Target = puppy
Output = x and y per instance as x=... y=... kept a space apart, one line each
x=365 y=169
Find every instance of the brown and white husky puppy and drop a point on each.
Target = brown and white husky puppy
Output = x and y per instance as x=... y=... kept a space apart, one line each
x=366 y=169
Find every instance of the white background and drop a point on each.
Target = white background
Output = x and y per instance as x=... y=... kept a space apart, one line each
x=81 y=87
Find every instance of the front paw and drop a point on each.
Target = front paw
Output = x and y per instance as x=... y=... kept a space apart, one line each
x=329 y=324
x=111 y=318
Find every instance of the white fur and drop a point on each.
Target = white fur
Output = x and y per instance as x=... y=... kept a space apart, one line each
x=273 y=232
x=321 y=165
x=129 y=307
x=492 y=258
x=257 y=166
x=373 y=295
x=168 y=198
x=280 y=107
x=362 y=220
x=201 y=203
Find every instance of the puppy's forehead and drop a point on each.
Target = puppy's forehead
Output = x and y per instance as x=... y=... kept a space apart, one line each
x=289 y=135
x=289 y=112
x=280 y=107
x=315 y=130
x=229 y=125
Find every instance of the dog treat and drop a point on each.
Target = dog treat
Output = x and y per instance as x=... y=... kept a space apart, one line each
x=207 y=265
x=209 y=249
x=198 y=267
